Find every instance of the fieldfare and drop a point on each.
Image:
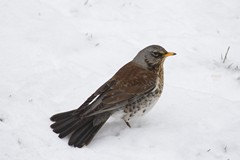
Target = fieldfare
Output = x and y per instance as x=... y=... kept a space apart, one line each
x=130 y=93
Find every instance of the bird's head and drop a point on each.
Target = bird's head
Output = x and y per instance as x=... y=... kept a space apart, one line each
x=152 y=57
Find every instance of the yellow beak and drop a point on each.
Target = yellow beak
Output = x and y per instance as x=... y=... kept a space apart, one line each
x=169 y=54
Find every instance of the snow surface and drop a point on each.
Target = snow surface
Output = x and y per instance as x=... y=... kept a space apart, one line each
x=55 y=53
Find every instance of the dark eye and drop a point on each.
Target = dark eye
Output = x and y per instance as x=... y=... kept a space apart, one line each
x=156 y=54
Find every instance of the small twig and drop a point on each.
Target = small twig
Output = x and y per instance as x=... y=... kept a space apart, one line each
x=225 y=57
x=229 y=66
x=236 y=68
x=19 y=141
x=86 y=2
x=225 y=149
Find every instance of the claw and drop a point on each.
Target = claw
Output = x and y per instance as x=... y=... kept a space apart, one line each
x=128 y=124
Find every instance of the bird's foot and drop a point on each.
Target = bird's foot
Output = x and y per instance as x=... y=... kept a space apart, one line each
x=128 y=124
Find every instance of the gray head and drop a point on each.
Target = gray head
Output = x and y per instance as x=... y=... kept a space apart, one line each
x=152 y=56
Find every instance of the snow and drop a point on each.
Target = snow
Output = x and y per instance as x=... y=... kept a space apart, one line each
x=54 y=54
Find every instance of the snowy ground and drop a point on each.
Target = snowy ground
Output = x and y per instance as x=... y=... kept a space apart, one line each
x=54 y=54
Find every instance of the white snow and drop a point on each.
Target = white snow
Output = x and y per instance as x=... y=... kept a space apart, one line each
x=55 y=53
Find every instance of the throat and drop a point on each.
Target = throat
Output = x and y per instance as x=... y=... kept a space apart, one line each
x=152 y=67
x=156 y=68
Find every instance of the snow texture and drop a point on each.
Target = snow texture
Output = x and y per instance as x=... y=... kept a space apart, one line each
x=55 y=53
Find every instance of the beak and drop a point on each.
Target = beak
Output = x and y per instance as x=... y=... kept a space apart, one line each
x=169 y=54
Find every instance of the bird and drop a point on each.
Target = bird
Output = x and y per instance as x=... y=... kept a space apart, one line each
x=131 y=92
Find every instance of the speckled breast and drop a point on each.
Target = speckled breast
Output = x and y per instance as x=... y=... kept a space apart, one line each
x=142 y=105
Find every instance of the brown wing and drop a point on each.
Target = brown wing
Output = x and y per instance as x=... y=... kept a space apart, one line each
x=131 y=82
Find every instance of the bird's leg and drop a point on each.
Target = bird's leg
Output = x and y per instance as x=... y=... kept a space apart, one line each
x=128 y=124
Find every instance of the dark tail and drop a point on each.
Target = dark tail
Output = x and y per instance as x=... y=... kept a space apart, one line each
x=82 y=130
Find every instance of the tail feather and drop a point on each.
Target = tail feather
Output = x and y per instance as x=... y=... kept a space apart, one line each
x=63 y=125
x=78 y=136
x=69 y=130
x=60 y=122
x=62 y=115
x=94 y=132
x=83 y=136
x=82 y=130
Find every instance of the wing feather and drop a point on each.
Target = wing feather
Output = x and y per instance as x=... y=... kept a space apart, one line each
x=131 y=83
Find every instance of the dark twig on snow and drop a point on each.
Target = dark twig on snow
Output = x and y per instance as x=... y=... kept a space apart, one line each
x=237 y=68
x=225 y=149
x=229 y=66
x=86 y=2
x=225 y=57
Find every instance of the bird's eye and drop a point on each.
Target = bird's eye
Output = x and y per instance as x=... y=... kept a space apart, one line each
x=156 y=54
